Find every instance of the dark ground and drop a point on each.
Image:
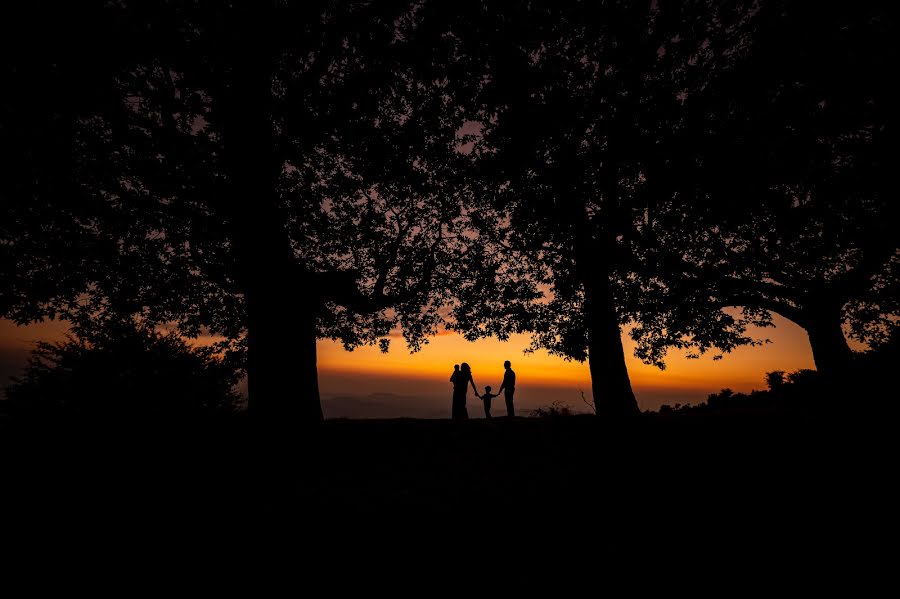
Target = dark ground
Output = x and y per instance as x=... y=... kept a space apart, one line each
x=772 y=486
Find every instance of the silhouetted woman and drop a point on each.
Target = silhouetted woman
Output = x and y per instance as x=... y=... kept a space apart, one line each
x=461 y=381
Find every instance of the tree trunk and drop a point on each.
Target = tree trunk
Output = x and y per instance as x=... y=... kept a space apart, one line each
x=280 y=310
x=610 y=384
x=830 y=351
x=283 y=382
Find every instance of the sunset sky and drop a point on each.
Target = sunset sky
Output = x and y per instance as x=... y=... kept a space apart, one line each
x=367 y=383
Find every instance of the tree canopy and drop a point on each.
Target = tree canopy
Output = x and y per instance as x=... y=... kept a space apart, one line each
x=582 y=149
x=792 y=179
x=269 y=172
x=278 y=172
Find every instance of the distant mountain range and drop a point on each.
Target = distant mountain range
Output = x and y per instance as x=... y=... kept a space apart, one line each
x=383 y=405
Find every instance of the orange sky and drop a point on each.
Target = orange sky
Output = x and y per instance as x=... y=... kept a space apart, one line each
x=544 y=378
x=401 y=383
x=741 y=370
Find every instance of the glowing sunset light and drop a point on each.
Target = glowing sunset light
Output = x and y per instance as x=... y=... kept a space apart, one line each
x=367 y=372
x=742 y=370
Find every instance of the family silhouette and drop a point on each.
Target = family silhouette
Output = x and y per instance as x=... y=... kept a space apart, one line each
x=462 y=378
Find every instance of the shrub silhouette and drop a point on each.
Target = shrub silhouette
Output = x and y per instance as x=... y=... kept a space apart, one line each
x=554 y=410
x=775 y=380
x=784 y=390
x=125 y=367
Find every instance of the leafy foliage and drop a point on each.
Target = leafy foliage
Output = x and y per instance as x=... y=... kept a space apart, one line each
x=343 y=170
x=361 y=189
x=584 y=127
x=126 y=367
x=794 y=210
x=264 y=171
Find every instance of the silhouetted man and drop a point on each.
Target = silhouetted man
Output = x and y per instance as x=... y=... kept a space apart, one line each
x=509 y=386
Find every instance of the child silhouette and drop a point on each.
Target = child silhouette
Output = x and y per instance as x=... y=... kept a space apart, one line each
x=487 y=397
x=455 y=373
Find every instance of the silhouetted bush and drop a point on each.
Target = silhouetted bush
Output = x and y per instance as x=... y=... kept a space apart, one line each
x=117 y=368
x=554 y=410
x=866 y=381
x=774 y=380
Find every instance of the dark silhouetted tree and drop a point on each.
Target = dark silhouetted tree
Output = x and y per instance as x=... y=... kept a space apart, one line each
x=793 y=209
x=265 y=170
x=583 y=122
